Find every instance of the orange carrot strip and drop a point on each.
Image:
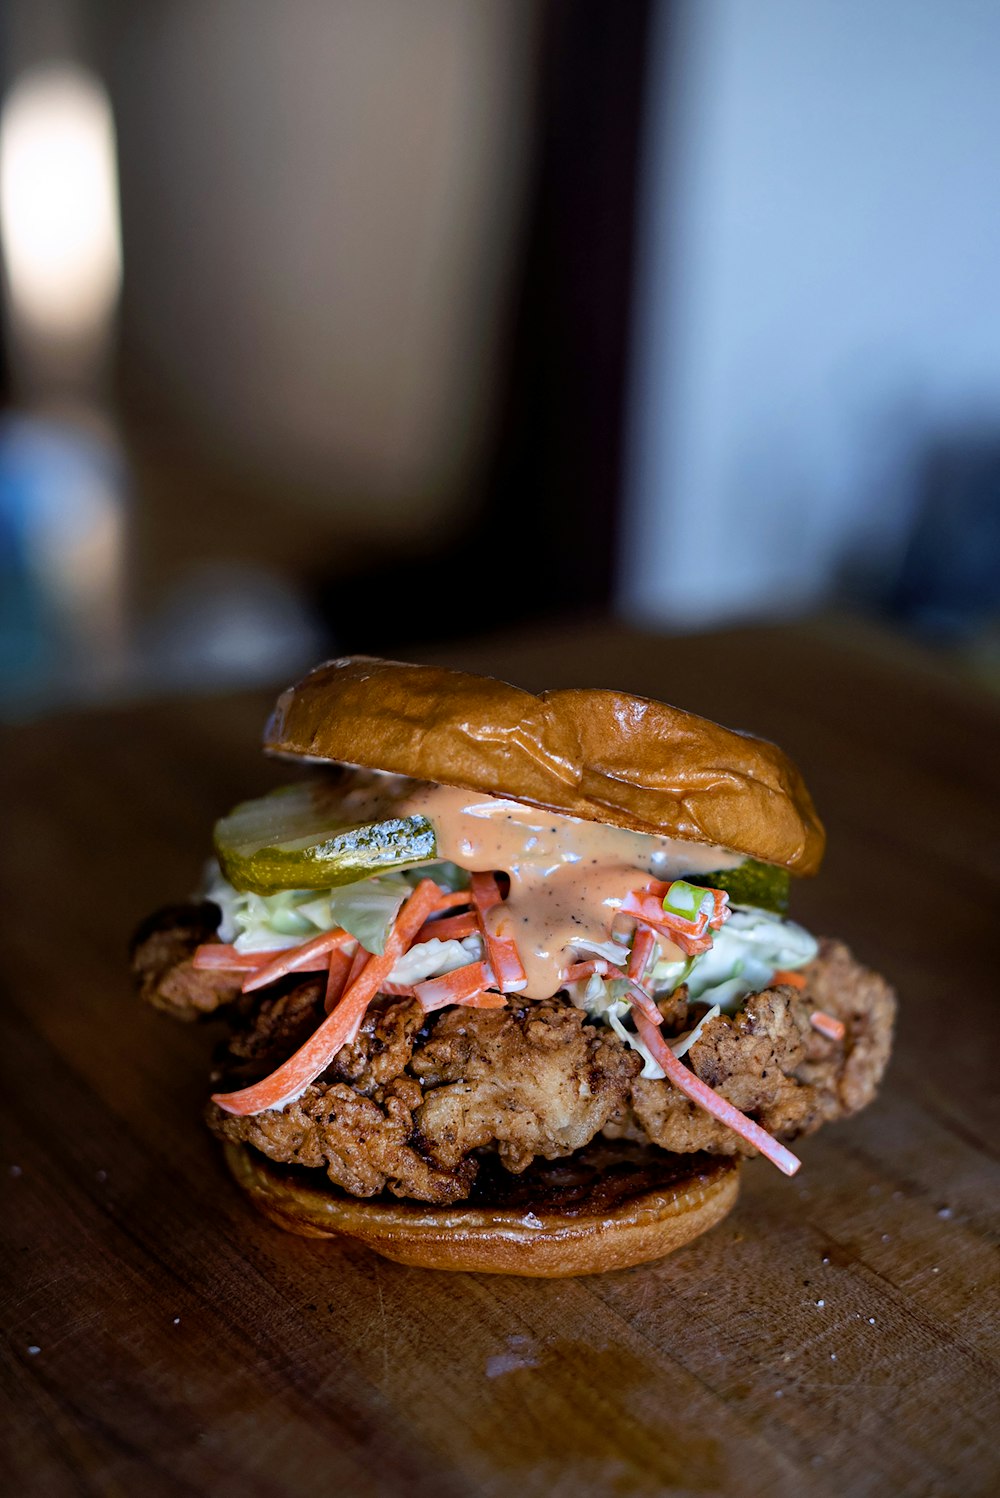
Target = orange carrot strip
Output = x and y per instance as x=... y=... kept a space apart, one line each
x=640 y=998
x=642 y=950
x=297 y=959
x=294 y=1075
x=606 y=969
x=450 y=899
x=643 y=906
x=359 y=964
x=656 y=891
x=578 y=970
x=486 y=998
x=786 y=975
x=397 y=990
x=501 y=950
x=452 y=928
x=648 y=902
x=344 y=968
x=454 y=987
x=693 y=937
x=701 y=1094
x=217 y=956
x=828 y=1025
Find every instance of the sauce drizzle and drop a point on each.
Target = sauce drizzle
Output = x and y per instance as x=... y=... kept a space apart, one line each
x=568 y=877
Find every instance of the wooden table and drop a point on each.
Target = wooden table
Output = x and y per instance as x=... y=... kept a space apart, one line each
x=837 y=1335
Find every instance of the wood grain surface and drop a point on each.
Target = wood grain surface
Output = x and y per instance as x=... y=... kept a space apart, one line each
x=836 y=1335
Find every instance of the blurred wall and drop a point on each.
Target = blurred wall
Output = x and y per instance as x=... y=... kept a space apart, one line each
x=818 y=301
x=319 y=206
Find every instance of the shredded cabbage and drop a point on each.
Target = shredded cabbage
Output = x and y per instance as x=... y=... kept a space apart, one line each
x=607 y=999
x=271 y=923
x=367 y=909
x=434 y=958
x=744 y=956
x=260 y=923
x=610 y=951
x=682 y=1046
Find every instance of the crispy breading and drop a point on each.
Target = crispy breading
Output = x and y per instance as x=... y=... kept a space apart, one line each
x=161 y=953
x=413 y=1103
x=273 y=1027
x=846 y=1080
x=750 y=1060
x=771 y=1064
x=364 y=1145
x=533 y=1079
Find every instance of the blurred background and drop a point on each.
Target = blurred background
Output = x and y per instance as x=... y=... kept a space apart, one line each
x=367 y=324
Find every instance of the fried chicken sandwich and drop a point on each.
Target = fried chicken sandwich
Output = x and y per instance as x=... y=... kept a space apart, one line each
x=509 y=980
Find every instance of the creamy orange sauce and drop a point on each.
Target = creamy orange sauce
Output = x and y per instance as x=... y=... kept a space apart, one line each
x=568 y=877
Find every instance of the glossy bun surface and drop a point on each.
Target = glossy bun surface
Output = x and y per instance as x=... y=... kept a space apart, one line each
x=613 y=1206
x=605 y=756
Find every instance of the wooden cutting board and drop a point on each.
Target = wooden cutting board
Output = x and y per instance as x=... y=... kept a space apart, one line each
x=837 y=1335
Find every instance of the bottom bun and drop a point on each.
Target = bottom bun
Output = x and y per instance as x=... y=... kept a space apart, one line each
x=609 y=1206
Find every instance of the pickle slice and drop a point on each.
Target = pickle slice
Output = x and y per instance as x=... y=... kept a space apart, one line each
x=751 y=883
x=299 y=837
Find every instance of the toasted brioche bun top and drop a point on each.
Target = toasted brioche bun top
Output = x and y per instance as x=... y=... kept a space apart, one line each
x=604 y=756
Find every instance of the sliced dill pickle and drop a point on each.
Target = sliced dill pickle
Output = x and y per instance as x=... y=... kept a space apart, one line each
x=751 y=883
x=300 y=838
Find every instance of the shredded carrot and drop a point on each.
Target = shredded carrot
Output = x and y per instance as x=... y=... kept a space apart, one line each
x=692 y=936
x=344 y=967
x=642 y=950
x=451 y=928
x=298 y=959
x=217 y=956
x=397 y=990
x=488 y=998
x=647 y=906
x=578 y=970
x=787 y=975
x=641 y=1000
x=450 y=899
x=483 y=998
x=455 y=987
x=605 y=969
x=701 y=1094
x=294 y=1075
x=653 y=896
x=828 y=1025
x=501 y=950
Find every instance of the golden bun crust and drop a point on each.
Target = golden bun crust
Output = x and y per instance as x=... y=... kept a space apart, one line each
x=605 y=756
x=540 y=1237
